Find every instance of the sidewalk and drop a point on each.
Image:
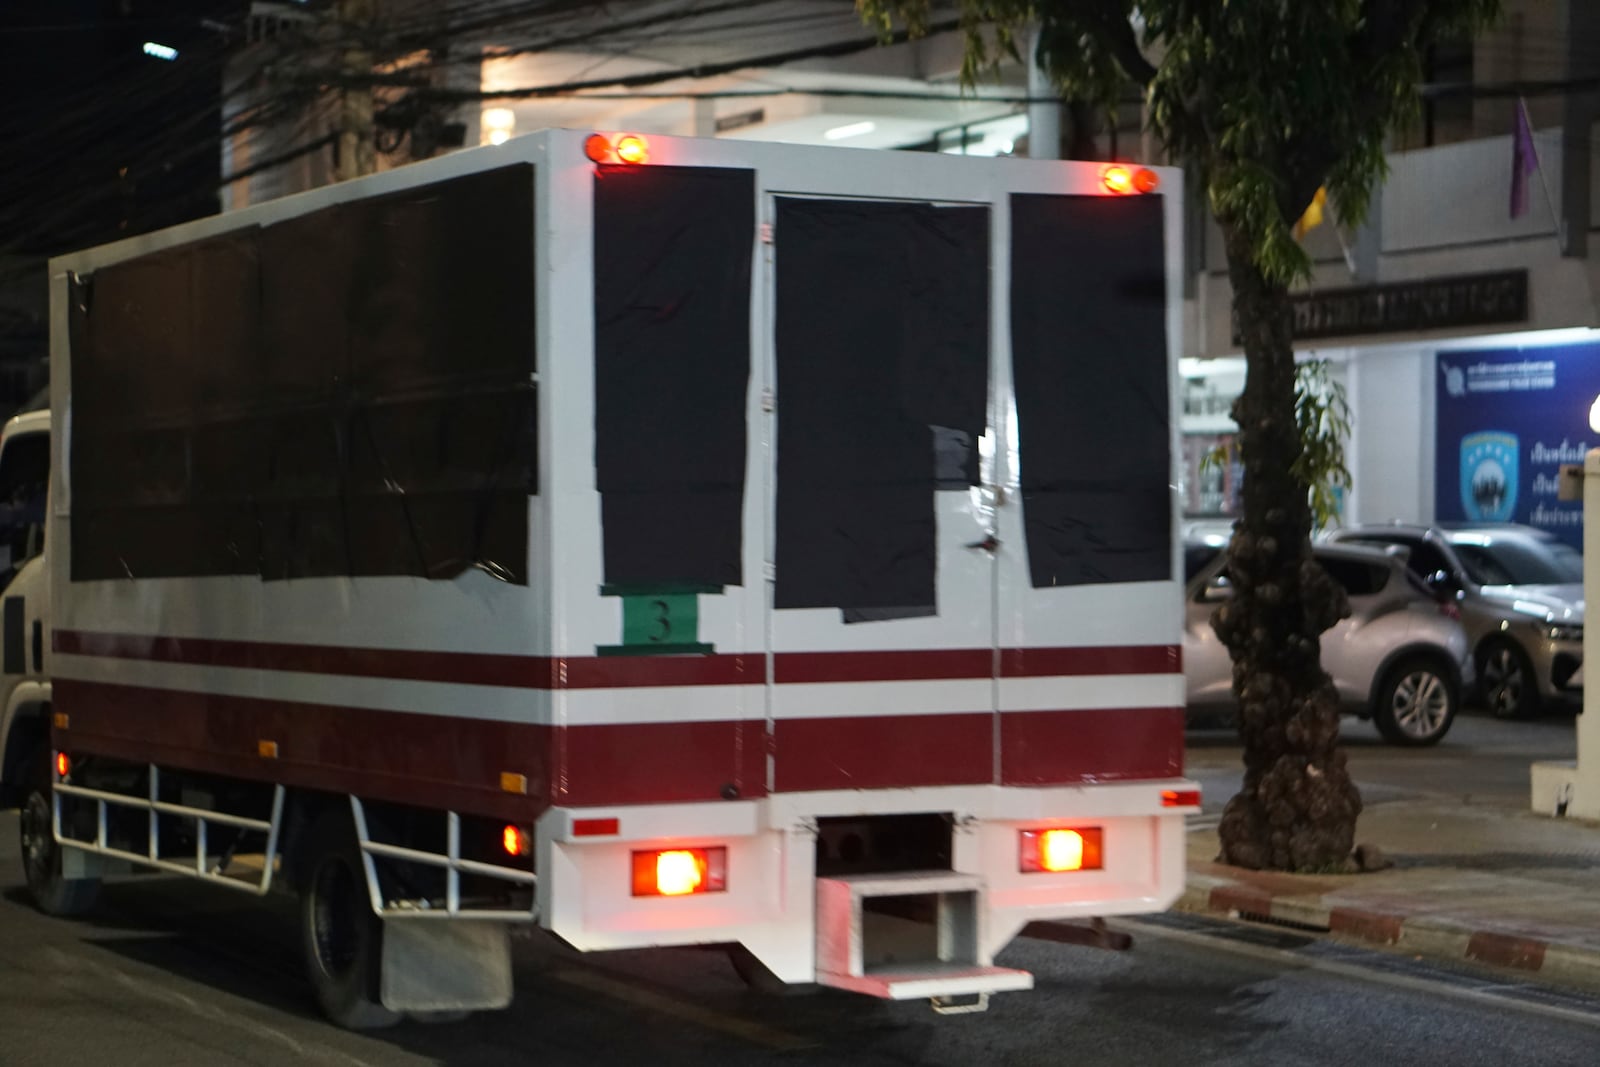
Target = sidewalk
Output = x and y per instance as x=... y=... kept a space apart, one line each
x=1488 y=884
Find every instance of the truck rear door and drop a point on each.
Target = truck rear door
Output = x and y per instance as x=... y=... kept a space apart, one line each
x=883 y=628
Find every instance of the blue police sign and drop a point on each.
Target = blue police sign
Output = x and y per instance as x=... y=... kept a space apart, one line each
x=1507 y=419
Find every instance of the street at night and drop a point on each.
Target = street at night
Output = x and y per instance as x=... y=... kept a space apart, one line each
x=817 y=532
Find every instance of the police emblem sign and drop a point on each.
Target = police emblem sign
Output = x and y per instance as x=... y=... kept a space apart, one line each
x=1507 y=419
x=1489 y=476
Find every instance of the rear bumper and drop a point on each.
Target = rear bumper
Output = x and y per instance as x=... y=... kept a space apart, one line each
x=770 y=901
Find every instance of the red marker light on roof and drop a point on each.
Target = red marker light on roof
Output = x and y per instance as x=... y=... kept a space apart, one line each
x=625 y=148
x=1122 y=180
x=1117 y=180
x=631 y=148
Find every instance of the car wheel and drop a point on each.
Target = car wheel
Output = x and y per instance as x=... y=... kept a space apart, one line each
x=1416 y=702
x=1506 y=677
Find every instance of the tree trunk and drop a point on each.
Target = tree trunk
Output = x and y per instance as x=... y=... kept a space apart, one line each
x=1297 y=810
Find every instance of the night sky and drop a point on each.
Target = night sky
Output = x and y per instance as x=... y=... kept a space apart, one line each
x=103 y=141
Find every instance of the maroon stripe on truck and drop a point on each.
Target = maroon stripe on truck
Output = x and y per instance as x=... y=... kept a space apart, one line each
x=1091 y=745
x=1112 y=659
x=462 y=668
x=884 y=751
x=907 y=666
x=620 y=672
x=439 y=761
x=663 y=762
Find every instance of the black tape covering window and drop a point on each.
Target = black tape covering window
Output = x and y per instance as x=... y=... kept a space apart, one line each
x=349 y=392
x=1089 y=355
x=672 y=260
x=882 y=338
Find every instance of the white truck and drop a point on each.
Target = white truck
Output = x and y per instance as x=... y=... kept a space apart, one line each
x=660 y=541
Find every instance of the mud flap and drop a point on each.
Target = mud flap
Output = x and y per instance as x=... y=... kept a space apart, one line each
x=445 y=965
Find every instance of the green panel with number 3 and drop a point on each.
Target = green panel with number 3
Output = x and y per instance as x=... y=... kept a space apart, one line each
x=658 y=624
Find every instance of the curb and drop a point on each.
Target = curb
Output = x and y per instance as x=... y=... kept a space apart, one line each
x=1418 y=935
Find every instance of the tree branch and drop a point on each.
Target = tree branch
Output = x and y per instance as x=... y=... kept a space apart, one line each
x=1116 y=30
x=1387 y=27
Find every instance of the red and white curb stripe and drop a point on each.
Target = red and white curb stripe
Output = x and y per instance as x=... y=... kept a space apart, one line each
x=1421 y=935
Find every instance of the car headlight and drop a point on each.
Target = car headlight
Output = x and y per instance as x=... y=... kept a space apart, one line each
x=1566 y=633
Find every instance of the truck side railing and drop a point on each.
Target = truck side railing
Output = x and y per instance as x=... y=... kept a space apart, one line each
x=201 y=867
x=454 y=866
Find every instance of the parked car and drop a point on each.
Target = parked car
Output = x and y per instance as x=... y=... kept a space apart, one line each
x=1400 y=659
x=1521 y=596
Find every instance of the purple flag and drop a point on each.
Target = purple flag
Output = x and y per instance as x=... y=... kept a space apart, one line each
x=1524 y=161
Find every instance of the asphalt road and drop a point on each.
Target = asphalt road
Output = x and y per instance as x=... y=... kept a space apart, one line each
x=173 y=973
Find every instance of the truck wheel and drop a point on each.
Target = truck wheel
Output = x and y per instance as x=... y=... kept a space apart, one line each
x=1415 y=703
x=41 y=855
x=1509 y=687
x=343 y=939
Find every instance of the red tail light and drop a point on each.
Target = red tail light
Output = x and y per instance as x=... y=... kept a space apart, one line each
x=1180 y=798
x=677 y=872
x=1061 y=849
x=63 y=765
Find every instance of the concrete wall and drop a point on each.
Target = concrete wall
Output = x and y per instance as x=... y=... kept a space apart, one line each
x=1391 y=447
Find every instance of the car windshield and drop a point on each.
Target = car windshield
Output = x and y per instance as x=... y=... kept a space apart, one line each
x=1521 y=562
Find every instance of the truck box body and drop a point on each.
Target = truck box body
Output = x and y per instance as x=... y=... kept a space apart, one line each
x=714 y=500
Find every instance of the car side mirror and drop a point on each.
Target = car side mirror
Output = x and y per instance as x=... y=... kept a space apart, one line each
x=1442 y=582
x=1217 y=590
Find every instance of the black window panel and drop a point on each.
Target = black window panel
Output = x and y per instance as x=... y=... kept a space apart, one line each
x=1089 y=356
x=672 y=266
x=882 y=334
x=346 y=392
x=162 y=346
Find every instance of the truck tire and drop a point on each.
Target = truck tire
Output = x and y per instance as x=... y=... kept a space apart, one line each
x=1415 y=703
x=342 y=938
x=41 y=855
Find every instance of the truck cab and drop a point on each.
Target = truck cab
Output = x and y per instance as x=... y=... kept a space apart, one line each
x=24 y=596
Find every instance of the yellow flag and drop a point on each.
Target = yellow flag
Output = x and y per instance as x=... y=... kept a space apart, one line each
x=1313 y=216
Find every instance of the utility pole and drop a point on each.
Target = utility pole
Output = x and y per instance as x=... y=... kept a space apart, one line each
x=357 y=151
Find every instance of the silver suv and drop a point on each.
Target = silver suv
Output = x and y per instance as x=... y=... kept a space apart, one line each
x=1521 y=597
x=1400 y=659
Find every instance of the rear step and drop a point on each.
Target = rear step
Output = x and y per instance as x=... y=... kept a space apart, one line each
x=906 y=936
